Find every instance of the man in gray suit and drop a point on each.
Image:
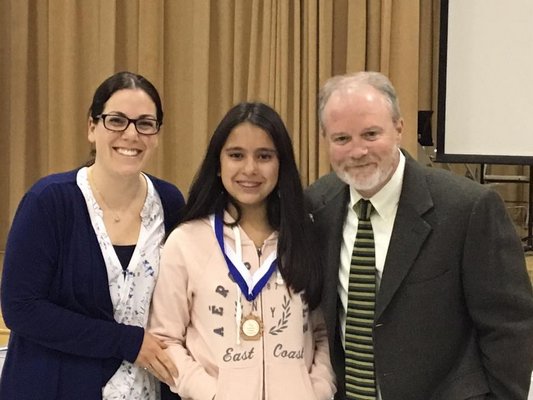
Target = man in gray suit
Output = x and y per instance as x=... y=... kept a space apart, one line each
x=453 y=314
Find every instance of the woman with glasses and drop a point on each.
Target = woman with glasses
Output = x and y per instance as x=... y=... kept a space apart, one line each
x=82 y=259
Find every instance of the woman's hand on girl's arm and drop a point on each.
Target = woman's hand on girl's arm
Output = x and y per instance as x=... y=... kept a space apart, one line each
x=153 y=358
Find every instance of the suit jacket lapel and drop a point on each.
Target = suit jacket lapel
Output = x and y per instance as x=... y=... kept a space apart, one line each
x=408 y=234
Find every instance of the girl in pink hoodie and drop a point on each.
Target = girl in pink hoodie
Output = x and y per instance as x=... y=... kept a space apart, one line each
x=240 y=283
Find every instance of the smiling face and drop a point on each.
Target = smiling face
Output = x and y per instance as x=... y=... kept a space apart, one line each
x=249 y=166
x=124 y=153
x=363 y=140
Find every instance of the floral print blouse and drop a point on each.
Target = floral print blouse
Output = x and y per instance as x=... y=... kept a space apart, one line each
x=131 y=292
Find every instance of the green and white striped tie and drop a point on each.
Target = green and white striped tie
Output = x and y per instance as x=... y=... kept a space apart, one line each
x=359 y=345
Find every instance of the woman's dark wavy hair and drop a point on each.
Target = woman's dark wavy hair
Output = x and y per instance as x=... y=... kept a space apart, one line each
x=116 y=82
x=124 y=80
x=297 y=261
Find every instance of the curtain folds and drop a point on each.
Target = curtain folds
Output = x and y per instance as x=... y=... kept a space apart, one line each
x=203 y=56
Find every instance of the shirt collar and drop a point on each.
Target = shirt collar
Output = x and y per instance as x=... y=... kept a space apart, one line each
x=386 y=200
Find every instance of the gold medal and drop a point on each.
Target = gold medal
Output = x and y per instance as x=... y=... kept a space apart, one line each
x=251 y=327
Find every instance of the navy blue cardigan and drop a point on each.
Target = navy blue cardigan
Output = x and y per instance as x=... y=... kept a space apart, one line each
x=64 y=341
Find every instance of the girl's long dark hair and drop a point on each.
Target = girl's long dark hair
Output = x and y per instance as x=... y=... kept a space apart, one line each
x=297 y=259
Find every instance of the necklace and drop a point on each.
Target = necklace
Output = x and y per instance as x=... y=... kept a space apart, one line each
x=114 y=214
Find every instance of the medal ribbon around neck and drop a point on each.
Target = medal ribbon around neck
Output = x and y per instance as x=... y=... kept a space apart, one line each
x=250 y=285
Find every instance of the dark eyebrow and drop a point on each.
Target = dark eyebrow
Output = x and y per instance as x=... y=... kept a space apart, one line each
x=147 y=116
x=260 y=149
x=233 y=148
x=142 y=116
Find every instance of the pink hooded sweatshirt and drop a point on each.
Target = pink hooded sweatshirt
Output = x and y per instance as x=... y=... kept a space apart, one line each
x=195 y=311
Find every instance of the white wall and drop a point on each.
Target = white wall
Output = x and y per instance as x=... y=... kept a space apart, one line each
x=489 y=79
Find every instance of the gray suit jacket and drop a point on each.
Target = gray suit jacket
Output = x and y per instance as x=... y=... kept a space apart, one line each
x=454 y=313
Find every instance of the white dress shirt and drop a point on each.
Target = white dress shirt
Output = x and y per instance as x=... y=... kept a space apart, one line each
x=385 y=204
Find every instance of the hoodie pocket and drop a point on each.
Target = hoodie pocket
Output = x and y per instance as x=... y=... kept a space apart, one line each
x=239 y=383
x=288 y=381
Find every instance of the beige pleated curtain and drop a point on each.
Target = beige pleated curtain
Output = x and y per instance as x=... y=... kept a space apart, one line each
x=203 y=56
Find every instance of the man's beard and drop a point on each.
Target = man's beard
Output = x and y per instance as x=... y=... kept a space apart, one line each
x=366 y=183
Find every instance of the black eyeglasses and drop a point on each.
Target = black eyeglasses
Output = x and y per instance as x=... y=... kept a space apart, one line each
x=119 y=123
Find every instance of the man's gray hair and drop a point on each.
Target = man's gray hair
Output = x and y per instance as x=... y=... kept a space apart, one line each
x=352 y=81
